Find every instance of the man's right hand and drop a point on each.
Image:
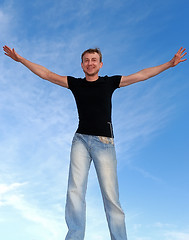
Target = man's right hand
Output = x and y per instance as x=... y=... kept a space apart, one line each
x=11 y=53
x=39 y=70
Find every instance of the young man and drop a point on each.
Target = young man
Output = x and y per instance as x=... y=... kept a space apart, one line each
x=93 y=140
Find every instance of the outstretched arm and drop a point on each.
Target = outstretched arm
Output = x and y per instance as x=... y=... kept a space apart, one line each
x=36 y=68
x=153 y=71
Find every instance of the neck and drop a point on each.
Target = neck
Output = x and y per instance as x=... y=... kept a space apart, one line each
x=91 y=78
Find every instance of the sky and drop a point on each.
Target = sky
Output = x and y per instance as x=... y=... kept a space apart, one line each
x=38 y=119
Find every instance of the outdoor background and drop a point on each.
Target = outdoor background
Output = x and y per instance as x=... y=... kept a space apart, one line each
x=38 y=119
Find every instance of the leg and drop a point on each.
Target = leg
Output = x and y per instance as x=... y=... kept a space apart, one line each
x=105 y=162
x=77 y=184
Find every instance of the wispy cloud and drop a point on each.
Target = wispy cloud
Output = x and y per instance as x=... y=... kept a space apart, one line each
x=140 y=114
x=4 y=188
x=11 y=196
x=155 y=231
x=38 y=119
x=176 y=235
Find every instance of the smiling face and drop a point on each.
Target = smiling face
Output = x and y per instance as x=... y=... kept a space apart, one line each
x=91 y=65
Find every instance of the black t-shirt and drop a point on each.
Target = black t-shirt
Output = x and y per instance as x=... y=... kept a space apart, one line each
x=94 y=105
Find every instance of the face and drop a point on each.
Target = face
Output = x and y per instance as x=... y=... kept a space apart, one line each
x=91 y=64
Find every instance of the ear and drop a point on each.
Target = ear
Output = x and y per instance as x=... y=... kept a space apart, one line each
x=82 y=65
x=101 y=64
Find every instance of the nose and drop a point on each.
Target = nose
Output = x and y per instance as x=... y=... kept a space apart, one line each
x=90 y=62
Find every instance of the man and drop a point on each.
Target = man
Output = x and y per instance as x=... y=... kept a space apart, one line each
x=93 y=139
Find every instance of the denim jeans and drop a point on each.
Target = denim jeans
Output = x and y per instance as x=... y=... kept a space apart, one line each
x=101 y=150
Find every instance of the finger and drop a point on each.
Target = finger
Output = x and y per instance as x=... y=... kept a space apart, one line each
x=4 y=48
x=183 y=60
x=183 y=55
x=7 y=54
x=7 y=49
x=183 y=50
x=180 y=49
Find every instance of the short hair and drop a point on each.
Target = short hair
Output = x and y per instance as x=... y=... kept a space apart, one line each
x=92 y=50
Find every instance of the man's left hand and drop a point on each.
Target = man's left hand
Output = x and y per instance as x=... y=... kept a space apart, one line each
x=178 y=57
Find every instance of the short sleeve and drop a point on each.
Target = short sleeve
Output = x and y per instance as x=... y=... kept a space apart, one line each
x=116 y=79
x=71 y=82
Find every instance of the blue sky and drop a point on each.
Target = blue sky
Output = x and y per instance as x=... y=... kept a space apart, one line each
x=38 y=119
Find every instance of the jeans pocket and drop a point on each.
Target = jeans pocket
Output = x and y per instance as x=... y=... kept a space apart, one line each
x=106 y=140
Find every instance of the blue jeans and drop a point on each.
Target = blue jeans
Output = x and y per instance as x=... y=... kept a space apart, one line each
x=101 y=150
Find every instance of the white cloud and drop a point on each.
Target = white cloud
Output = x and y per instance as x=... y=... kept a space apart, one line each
x=7 y=20
x=145 y=174
x=38 y=119
x=50 y=222
x=4 y=18
x=139 y=114
x=4 y=188
x=164 y=225
x=176 y=235
x=156 y=231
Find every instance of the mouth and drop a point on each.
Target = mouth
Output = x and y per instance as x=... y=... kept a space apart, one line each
x=90 y=68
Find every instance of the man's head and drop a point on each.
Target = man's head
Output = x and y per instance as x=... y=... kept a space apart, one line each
x=92 y=50
x=91 y=62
